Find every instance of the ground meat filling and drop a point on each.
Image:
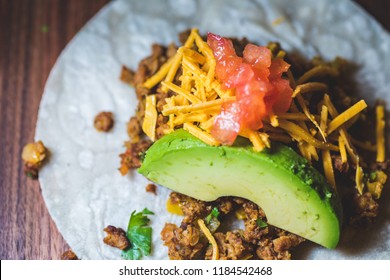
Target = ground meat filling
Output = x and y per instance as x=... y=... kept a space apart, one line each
x=132 y=157
x=138 y=142
x=104 y=121
x=254 y=241
x=69 y=255
x=116 y=237
x=231 y=246
x=366 y=209
x=152 y=188
x=184 y=242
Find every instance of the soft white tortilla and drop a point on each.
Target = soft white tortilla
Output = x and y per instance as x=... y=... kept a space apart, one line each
x=81 y=185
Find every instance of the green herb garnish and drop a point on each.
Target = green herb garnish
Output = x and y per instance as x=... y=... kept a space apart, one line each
x=213 y=214
x=140 y=236
x=261 y=223
x=373 y=176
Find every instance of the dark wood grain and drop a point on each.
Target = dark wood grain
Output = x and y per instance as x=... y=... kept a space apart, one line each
x=32 y=35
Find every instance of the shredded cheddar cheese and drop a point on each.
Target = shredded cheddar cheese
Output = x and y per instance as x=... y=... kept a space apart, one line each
x=309 y=87
x=195 y=107
x=273 y=119
x=150 y=120
x=202 y=135
x=173 y=69
x=211 y=239
x=343 y=152
x=326 y=158
x=328 y=168
x=346 y=116
x=380 y=133
x=300 y=133
x=161 y=73
x=317 y=71
x=278 y=20
x=359 y=179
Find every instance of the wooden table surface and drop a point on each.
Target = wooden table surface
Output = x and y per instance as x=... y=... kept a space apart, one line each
x=32 y=35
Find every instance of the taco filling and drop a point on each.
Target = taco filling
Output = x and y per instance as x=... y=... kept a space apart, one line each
x=277 y=144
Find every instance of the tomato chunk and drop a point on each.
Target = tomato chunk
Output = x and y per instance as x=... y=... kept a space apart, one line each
x=258 y=84
x=227 y=126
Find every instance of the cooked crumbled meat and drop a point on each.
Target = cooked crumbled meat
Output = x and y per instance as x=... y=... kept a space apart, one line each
x=266 y=251
x=168 y=233
x=341 y=166
x=151 y=188
x=171 y=50
x=141 y=75
x=33 y=156
x=104 y=121
x=116 y=237
x=376 y=182
x=160 y=97
x=69 y=255
x=366 y=209
x=253 y=242
x=285 y=242
x=161 y=130
x=162 y=126
x=382 y=166
x=231 y=246
x=252 y=211
x=141 y=92
x=224 y=205
x=150 y=65
x=127 y=76
x=141 y=110
x=192 y=208
x=184 y=35
x=132 y=157
x=183 y=243
x=252 y=232
x=134 y=129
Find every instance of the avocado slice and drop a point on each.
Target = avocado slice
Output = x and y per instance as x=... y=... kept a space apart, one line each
x=294 y=196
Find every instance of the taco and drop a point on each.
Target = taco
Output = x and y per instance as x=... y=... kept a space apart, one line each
x=81 y=185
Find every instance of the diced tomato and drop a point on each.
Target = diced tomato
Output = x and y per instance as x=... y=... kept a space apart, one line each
x=278 y=67
x=242 y=75
x=258 y=84
x=257 y=56
x=226 y=70
x=252 y=110
x=221 y=46
x=227 y=124
x=284 y=99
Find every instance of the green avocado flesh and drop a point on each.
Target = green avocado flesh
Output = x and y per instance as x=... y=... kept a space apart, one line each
x=294 y=196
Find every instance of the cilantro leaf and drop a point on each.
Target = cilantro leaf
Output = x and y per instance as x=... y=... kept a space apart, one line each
x=261 y=223
x=139 y=234
x=213 y=214
x=131 y=254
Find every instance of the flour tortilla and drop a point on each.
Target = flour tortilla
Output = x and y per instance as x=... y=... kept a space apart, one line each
x=81 y=185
